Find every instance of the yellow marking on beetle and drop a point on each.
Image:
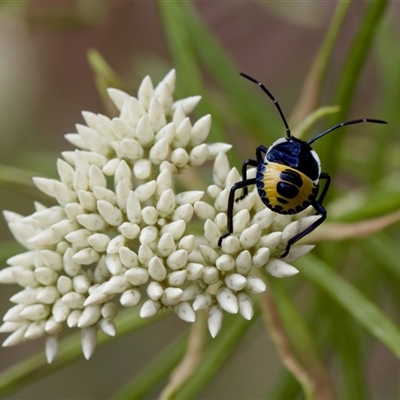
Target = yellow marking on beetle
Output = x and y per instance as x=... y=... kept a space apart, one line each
x=272 y=176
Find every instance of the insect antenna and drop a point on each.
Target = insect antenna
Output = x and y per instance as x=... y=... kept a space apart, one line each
x=353 y=121
x=261 y=85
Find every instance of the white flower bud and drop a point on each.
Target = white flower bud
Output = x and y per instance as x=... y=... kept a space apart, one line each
x=202 y=301
x=35 y=330
x=51 y=348
x=86 y=256
x=261 y=257
x=166 y=245
x=97 y=296
x=115 y=244
x=280 y=269
x=135 y=111
x=188 y=104
x=245 y=306
x=35 y=312
x=185 y=312
x=80 y=181
x=116 y=284
x=130 y=231
x=113 y=263
x=171 y=296
x=142 y=169
x=227 y=300
x=145 y=191
x=60 y=311
x=157 y=270
x=191 y=291
x=71 y=267
x=72 y=320
x=148 y=235
x=46 y=276
x=231 y=245
x=187 y=243
x=189 y=197
x=198 y=155
x=194 y=271
x=235 y=282
x=92 y=222
x=297 y=252
x=48 y=295
x=133 y=209
x=184 y=212
x=144 y=131
x=108 y=327
x=154 y=291
x=210 y=275
x=250 y=236
x=156 y=115
x=52 y=259
x=112 y=215
x=26 y=296
x=166 y=203
x=225 y=262
x=80 y=284
x=130 y=297
x=87 y=200
x=16 y=337
x=272 y=240
x=73 y=300
x=177 y=260
x=99 y=241
x=89 y=341
x=209 y=254
x=255 y=285
x=204 y=211
x=167 y=132
x=64 y=284
x=118 y=97
x=215 y=317
x=183 y=131
x=109 y=311
x=180 y=157
x=13 y=314
x=200 y=130
x=220 y=171
x=176 y=228
x=149 y=309
x=177 y=278
x=122 y=193
x=159 y=151
x=145 y=92
x=90 y=315
x=244 y=263
x=25 y=277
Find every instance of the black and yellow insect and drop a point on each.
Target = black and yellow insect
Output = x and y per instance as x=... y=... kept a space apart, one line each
x=288 y=174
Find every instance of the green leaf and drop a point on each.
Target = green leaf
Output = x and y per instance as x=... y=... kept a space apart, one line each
x=363 y=310
x=35 y=368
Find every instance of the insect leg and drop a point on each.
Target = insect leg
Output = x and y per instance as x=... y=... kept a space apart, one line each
x=236 y=186
x=252 y=163
x=321 y=210
x=261 y=151
x=260 y=154
x=326 y=176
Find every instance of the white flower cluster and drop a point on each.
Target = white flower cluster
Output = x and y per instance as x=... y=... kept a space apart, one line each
x=121 y=233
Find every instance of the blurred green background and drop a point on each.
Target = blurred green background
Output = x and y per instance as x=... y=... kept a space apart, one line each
x=46 y=80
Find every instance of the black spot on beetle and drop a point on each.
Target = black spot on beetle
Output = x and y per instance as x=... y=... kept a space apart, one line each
x=287 y=190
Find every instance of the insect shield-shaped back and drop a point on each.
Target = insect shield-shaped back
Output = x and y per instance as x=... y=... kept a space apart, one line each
x=288 y=175
x=287 y=179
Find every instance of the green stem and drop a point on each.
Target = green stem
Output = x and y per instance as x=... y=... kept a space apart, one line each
x=352 y=68
x=35 y=368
